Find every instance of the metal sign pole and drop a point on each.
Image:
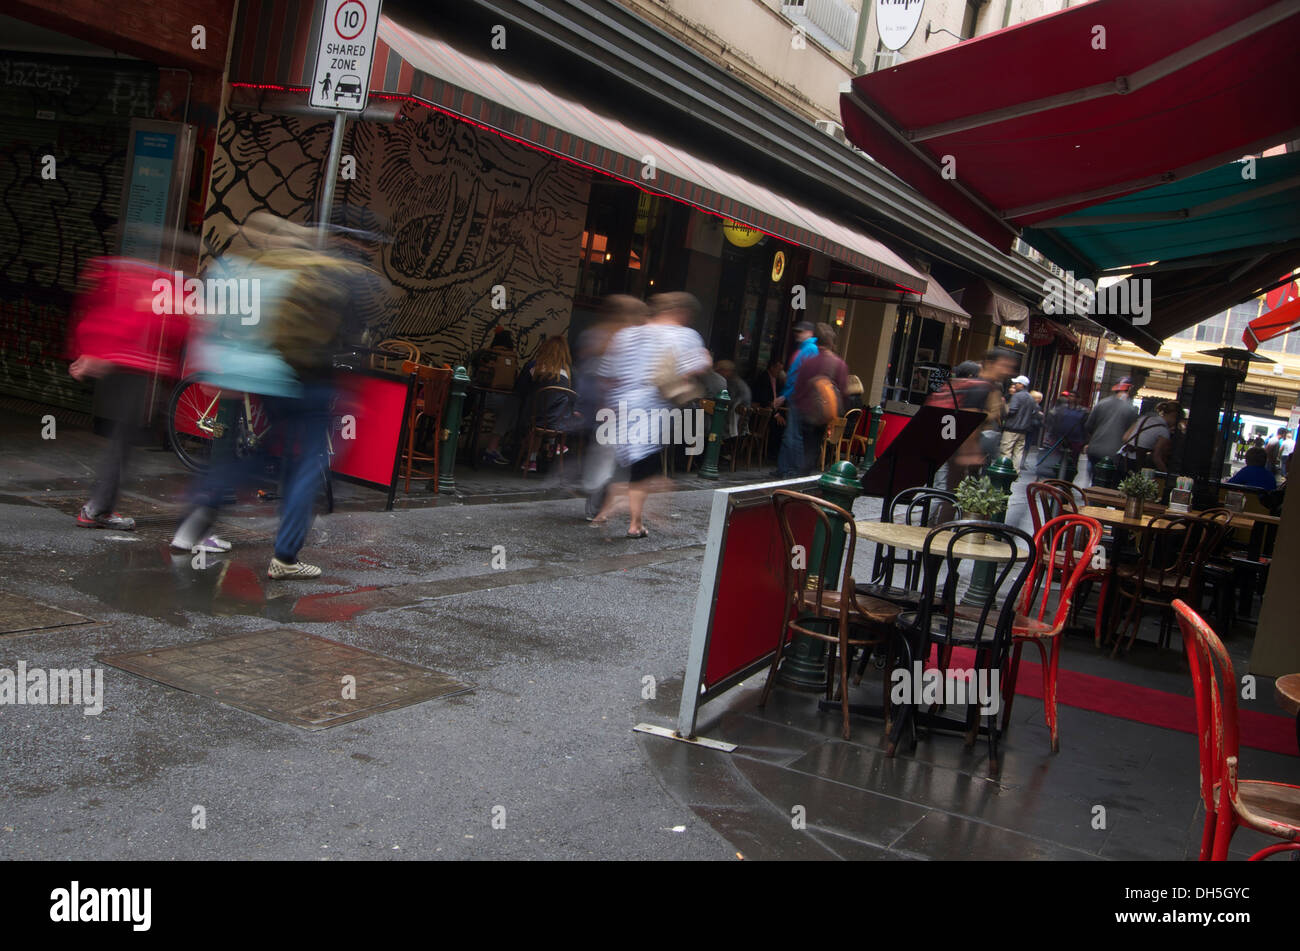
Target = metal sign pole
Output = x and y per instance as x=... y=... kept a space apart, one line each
x=331 y=173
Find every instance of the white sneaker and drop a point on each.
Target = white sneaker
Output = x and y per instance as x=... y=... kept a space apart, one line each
x=280 y=570
x=212 y=544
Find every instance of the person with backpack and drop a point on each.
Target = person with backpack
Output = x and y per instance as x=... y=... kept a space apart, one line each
x=304 y=300
x=1148 y=441
x=976 y=386
x=819 y=395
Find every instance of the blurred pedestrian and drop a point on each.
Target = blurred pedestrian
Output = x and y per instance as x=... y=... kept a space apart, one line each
x=1021 y=410
x=122 y=339
x=299 y=327
x=1065 y=430
x=599 y=462
x=504 y=407
x=790 y=460
x=853 y=395
x=652 y=369
x=1109 y=420
x=819 y=396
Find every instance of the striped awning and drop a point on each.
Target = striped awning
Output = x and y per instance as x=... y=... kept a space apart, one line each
x=418 y=65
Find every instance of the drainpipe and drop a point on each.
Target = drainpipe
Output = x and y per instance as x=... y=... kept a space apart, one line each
x=864 y=17
x=1006 y=15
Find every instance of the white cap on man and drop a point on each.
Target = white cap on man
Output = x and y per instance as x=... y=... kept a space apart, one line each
x=1022 y=380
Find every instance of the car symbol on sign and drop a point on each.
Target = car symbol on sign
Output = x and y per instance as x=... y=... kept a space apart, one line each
x=348 y=87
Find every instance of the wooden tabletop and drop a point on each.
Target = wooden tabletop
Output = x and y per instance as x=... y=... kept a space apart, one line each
x=912 y=538
x=1287 y=691
x=1109 y=516
x=1116 y=517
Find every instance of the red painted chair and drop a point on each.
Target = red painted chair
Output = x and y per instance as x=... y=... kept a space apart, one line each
x=1271 y=808
x=1064 y=546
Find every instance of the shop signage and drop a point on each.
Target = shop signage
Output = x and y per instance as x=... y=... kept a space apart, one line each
x=740 y=235
x=896 y=21
x=778 y=266
x=341 y=79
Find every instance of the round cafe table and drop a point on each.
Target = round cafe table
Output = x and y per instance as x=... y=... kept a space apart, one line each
x=1286 y=690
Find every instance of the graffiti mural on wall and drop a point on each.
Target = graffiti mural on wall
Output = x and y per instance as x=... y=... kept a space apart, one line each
x=464 y=212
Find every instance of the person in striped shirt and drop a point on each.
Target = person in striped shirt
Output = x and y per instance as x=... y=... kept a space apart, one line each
x=632 y=367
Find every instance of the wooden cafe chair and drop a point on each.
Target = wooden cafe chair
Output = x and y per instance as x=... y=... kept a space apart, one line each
x=813 y=607
x=395 y=351
x=760 y=419
x=1268 y=807
x=852 y=423
x=834 y=436
x=432 y=387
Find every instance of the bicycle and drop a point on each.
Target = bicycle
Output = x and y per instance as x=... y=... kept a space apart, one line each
x=193 y=426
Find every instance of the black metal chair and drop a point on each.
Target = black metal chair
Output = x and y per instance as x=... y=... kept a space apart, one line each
x=986 y=629
x=918 y=506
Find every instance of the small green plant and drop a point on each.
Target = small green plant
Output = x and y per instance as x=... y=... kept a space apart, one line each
x=1137 y=486
x=980 y=497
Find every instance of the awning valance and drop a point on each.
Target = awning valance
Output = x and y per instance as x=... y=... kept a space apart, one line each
x=986 y=299
x=937 y=304
x=1043 y=331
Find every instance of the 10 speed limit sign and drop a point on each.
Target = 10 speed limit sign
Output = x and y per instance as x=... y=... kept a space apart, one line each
x=341 y=79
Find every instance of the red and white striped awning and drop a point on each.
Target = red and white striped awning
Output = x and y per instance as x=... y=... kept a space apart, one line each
x=417 y=65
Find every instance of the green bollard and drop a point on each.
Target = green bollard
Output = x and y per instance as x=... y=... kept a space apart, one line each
x=1105 y=474
x=718 y=426
x=1002 y=473
x=873 y=430
x=450 y=435
x=804 y=665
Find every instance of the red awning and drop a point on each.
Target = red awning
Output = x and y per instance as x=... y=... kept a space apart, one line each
x=1275 y=323
x=1035 y=121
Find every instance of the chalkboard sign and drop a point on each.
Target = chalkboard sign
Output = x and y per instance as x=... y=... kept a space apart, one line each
x=938 y=373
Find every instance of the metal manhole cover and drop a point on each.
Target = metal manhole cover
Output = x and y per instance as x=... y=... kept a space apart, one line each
x=290 y=676
x=19 y=615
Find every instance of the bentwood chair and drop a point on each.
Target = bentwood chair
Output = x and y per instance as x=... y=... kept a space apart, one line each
x=432 y=386
x=760 y=418
x=1063 y=549
x=1076 y=494
x=1271 y=808
x=852 y=422
x=547 y=407
x=916 y=506
x=1046 y=502
x=1171 y=550
x=395 y=352
x=834 y=435
x=986 y=630
x=813 y=607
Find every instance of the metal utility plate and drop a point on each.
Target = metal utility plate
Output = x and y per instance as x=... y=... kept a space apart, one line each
x=290 y=676
x=19 y=615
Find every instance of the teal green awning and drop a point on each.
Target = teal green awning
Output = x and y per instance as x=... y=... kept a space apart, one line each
x=1217 y=214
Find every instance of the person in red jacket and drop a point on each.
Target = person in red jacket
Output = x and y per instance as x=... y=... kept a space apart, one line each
x=121 y=341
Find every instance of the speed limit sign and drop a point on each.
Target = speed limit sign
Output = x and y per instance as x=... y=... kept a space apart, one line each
x=341 y=79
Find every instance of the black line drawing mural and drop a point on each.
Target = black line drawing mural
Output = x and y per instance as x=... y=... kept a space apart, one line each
x=471 y=220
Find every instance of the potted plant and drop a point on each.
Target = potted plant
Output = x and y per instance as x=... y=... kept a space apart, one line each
x=1137 y=488
x=980 y=498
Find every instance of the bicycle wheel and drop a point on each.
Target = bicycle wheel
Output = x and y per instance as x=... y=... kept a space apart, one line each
x=192 y=420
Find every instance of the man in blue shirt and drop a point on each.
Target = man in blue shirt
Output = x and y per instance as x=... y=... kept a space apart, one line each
x=1255 y=472
x=790 y=460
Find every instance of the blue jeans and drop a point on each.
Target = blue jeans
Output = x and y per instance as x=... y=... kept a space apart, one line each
x=790 y=460
x=301 y=425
